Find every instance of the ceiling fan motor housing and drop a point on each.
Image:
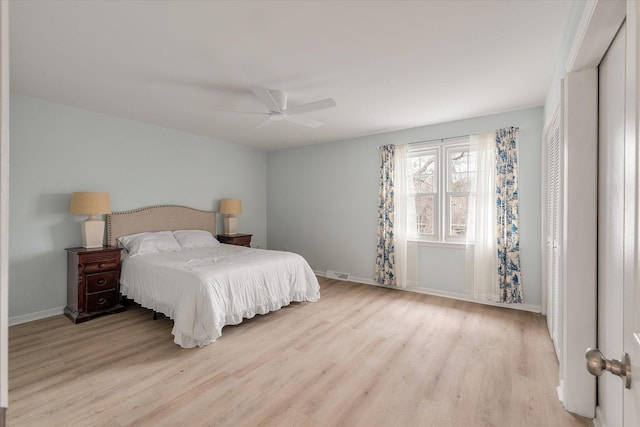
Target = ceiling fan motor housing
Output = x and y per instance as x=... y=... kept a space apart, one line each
x=276 y=103
x=281 y=99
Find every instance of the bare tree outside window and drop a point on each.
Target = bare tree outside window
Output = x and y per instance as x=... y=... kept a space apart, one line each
x=440 y=179
x=461 y=167
x=422 y=173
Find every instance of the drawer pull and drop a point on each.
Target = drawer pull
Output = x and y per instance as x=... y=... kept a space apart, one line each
x=101 y=301
x=101 y=281
x=102 y=265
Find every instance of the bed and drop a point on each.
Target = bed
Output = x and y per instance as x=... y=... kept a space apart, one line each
x=202 y=287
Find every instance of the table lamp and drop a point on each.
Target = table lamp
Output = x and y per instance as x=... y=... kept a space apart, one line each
x=230 y=208
x=92 y=204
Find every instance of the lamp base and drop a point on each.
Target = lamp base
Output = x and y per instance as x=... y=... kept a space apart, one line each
x=92 y=233
x=231 y=225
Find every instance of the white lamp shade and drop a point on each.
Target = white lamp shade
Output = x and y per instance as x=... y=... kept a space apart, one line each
x=89 y=203
x=230 y=206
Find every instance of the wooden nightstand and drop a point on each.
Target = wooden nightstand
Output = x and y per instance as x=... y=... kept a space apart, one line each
x=93 y=282
x=236 y=239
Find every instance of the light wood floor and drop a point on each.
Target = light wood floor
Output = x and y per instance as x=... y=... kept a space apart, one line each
x=361 y=356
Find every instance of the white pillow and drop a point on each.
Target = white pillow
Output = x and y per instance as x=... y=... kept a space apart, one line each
x=195 y=239
x=149 y=243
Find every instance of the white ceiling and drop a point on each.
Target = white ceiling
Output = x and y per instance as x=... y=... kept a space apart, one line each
x=388 y=64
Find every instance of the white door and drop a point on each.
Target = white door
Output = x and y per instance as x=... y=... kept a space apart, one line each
x=618 y=224
x=632 y=210
x=611 y=205
x=4 y=208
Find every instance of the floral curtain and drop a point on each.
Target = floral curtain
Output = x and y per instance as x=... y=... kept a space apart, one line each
x=507 y=222
x=385 y=254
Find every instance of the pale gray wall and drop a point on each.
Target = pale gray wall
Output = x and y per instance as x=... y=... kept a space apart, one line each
x=441 y=269
x=317 y=200
x=559 y=69
x=56 y=150
x=322 y=202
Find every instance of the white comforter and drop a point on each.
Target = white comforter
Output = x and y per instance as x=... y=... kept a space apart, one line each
x=203 y=290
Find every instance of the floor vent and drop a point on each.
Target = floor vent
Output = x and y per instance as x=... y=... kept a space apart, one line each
x=330 y=274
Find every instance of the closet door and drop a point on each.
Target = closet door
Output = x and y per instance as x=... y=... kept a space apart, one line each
x=552 y=202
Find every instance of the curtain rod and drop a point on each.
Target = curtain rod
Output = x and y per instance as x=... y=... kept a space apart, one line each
x=517 y=128
x=441 y=139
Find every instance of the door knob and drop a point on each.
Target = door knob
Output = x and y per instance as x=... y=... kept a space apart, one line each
x=597 y=364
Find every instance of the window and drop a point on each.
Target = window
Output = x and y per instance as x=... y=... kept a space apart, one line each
x=423 y=192
x=440 y=176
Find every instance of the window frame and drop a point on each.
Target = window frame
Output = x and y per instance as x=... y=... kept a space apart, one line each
x=443 y=171
x=448 y=148
x=426 y=151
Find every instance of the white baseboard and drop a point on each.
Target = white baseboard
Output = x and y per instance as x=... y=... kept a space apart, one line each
x=560 y=392
x=365 y=281
x=24 y=318
x=444 y=294
x=351 y=278
x=463 y=297
x=597 y=421
x=30 y=317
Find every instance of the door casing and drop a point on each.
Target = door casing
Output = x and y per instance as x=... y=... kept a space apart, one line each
x=599 y=24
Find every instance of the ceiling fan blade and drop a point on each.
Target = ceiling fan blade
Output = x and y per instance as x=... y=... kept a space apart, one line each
x=311 y=106
x=264 y=95
x=253 y=113
x=264 y=124
x=305 y=121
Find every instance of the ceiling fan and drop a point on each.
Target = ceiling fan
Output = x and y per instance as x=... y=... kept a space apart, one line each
x=276 y=103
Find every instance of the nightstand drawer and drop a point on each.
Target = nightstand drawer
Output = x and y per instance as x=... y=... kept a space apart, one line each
x=242 y=241
x=235 y=239
x=100 y=257
x=101 y=266
x=102 y=300
x=102 y=281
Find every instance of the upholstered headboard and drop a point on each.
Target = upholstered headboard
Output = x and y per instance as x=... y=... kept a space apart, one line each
x=158 y=218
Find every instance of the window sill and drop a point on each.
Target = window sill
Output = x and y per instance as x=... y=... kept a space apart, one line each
x=427 y=243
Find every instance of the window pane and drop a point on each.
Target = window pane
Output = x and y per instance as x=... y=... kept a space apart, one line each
x=458 y=206
x=424 y=211
x=460 y=183
x=421 y=164
x=473 y=160
x=459 y=161
x=413 y=165
x=423 y=183
x=421 y=171
x=428 y=163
